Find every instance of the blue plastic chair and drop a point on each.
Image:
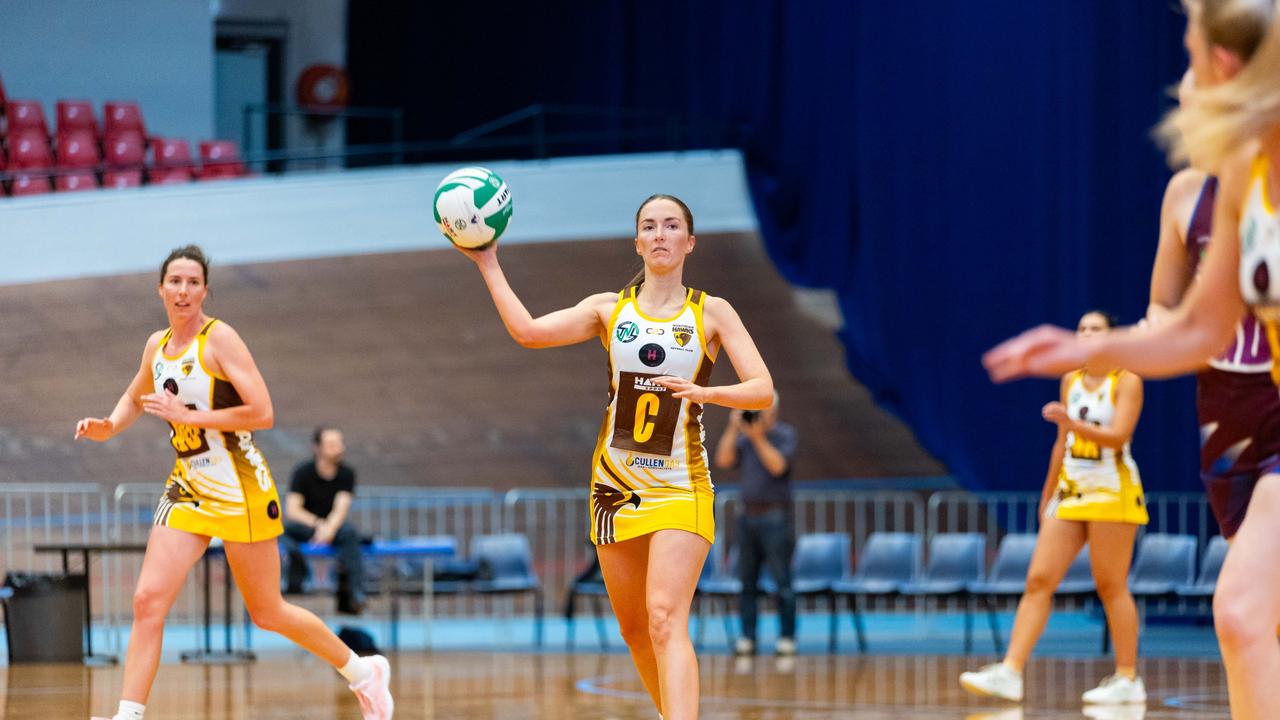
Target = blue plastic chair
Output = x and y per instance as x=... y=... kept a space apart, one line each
x=717 y=582
x=1079 y=577
x=955 y=560
x=819 y=560
x=588 y=586
x=1008 y=578
x=506 y=568
x=887 y=561
x=1163 y=563
x=1214 y=554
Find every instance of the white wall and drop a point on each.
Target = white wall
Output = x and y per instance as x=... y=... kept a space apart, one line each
x=317 y=34
x=352 y=212
x=158 y=52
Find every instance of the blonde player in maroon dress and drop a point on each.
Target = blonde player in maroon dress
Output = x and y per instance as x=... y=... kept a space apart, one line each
x=1233 y=129
x=199 y=377
x=651 y=494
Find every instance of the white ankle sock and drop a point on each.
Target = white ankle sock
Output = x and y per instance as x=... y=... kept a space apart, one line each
x=355 y=671
x=129 y=711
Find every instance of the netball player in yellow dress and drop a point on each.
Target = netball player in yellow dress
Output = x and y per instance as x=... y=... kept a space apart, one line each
x=199 y=377
x=1091 y=494
x=651 y=493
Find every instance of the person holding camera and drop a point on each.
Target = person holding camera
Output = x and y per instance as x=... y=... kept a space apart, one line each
x=762 y=448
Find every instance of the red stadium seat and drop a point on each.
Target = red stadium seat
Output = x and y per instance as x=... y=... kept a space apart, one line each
x=29 y=184
x=172 y=161
x=220 y=159
x=125 y=150
x=78 y=180
x=79 y=149
x=119 y=179
x=26 y=115
x=76 y=115
x=122 y=115
x=29 y=148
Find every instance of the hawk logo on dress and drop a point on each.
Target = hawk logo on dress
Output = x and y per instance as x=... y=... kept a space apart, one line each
x=608 y=501
x=682 y=333
x=187 y=365
x=627 y=332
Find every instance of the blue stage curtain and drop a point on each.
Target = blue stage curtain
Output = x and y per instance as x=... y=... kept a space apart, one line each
x=956 y=172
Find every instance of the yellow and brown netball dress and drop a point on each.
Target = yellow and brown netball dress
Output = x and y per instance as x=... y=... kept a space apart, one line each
x=650 y=467
x=220 y=485
x=1097 y=483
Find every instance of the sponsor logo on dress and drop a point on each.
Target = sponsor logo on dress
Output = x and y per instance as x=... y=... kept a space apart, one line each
x=651 y=463
x=652 y=354
x=654 y=331
x=187 y=365
x=627 y=331
x=159 y=370
x=644 y=384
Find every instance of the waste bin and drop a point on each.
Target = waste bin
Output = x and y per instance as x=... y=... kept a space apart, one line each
x=44 y=617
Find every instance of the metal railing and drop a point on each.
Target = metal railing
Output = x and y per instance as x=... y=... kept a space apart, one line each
x=554 y=520
x=524 y=133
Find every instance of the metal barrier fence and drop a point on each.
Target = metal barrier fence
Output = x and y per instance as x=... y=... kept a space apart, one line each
x=50 y=513
x=554 y=520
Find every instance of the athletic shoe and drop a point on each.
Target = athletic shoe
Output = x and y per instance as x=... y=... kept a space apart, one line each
x=1117 y=690
x=1013 y=713
x=1115 y=712
x=374 y=692
x=744 y=646
x=786 y=647
x=995 y=680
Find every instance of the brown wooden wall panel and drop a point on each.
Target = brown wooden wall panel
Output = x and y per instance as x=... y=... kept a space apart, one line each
x=405 y=352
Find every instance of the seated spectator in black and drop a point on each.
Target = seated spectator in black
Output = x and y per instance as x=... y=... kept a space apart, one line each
x=316 y=511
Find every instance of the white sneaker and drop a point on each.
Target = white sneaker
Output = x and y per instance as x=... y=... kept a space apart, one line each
x=1117 y=690
x=374 y=692
x=744 y=646
x=1013 y=713
x=1115 y=712
x=786 y=647
x=995 y=680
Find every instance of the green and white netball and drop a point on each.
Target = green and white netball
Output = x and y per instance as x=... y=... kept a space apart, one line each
x=472 y=207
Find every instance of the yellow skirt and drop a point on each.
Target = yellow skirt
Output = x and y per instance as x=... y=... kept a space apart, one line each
x=1109 y=497
x=619 y=515
x=252 y=516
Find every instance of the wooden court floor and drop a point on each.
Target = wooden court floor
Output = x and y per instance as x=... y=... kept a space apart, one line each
x=462 y=686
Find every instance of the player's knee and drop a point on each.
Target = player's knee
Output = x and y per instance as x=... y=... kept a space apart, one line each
x=634 y=630
x=663 y=622
x=1240 y=612
x=148 y=604
x=268 y=616
x=1039 y=583
x=1111 y=588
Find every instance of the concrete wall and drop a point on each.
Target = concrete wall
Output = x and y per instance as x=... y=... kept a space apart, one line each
x=350 y=213
x=158 y=52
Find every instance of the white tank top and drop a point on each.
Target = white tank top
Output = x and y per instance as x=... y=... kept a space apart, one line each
x=1259 y=271
x=1084 y=457
x=211 y=464
x=649 y=438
